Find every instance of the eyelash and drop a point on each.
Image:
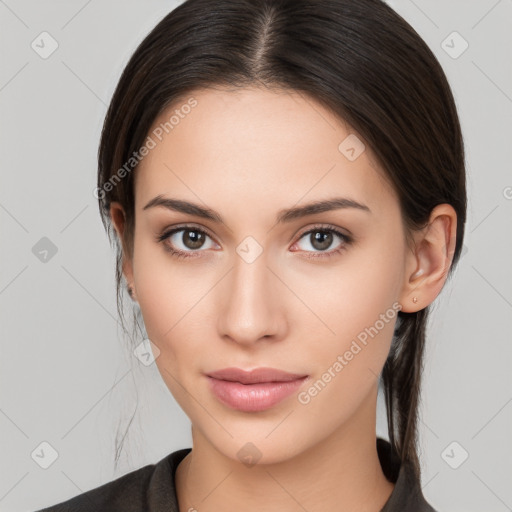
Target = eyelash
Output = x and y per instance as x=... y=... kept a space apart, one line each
x=346 y=240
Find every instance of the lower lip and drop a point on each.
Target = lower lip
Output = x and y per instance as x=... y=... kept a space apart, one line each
x=253 y=397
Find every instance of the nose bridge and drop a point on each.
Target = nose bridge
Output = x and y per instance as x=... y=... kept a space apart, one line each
x=249 y=305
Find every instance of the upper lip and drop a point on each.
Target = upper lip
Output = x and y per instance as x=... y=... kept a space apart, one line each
x=254 y=376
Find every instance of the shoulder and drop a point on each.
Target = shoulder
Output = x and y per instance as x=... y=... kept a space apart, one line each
x=150 y=488
x=407 y=493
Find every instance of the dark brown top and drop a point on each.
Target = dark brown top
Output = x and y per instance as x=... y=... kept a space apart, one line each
x=151 y=488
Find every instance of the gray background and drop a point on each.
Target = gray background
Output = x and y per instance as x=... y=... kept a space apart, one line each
x=66 y=376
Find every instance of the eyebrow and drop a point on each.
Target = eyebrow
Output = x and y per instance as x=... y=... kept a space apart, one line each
x=286 y=215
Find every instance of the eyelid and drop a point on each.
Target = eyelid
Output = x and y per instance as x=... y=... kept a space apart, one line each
x=178 y=227
x=326 y=227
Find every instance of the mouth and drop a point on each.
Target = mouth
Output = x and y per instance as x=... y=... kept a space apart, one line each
x=253 y=391
x=256 y=376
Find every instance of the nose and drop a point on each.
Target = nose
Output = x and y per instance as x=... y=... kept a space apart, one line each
x=251 y=303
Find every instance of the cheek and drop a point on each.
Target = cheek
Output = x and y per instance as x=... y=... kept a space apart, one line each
x=169 y=299
x=358 y=303
x=346 y=297
x=346 y=366
x=166 y=294
x=174 y=298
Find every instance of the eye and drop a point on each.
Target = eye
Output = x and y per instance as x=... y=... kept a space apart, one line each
x=321 y=238
x=183 y=241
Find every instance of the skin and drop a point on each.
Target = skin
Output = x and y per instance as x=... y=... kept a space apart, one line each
x=248 y=154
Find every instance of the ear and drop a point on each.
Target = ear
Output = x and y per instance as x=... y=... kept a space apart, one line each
x=118 y=218
x=429 y=260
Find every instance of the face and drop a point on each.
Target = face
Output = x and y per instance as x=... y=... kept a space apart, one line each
x=315 y=295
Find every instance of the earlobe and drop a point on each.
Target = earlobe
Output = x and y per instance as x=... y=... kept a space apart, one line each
x=430 y=260
x=131 y=292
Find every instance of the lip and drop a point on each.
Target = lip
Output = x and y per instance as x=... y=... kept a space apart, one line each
x=256 y=376
x=253 y=391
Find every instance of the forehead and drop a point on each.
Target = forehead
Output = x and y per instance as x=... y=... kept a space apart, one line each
x=258 y=146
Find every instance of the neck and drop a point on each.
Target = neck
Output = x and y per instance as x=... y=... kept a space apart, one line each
x=341 y=472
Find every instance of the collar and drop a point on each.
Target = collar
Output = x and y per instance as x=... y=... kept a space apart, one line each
x=406 y=496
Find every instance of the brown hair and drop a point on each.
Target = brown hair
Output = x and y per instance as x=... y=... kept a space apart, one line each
x=361 y=60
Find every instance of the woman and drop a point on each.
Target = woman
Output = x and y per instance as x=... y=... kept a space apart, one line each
x=284 y=183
